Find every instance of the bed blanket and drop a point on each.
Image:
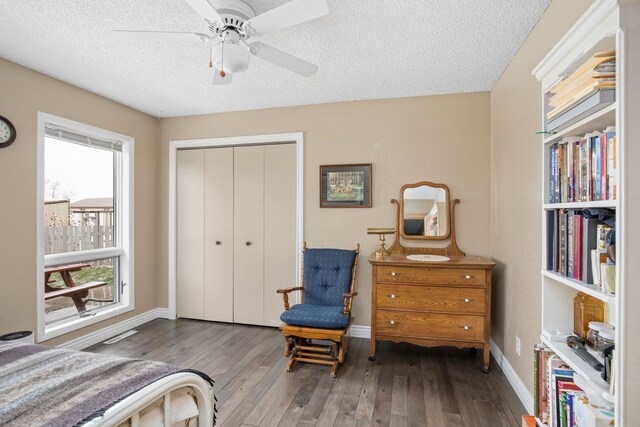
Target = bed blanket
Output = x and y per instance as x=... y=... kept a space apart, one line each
x=58 y=387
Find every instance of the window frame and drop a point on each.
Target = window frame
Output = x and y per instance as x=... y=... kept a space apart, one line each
x=124 y=199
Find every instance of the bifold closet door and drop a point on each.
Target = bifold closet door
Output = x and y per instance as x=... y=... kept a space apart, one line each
x=248 y=259
x=218 y=234
x=280 y=250
x=190 y=236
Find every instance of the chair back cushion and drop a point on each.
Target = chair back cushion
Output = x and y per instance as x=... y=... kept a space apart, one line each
x=327 y=275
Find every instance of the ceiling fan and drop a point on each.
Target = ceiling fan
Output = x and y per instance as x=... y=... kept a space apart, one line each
x=232 y=25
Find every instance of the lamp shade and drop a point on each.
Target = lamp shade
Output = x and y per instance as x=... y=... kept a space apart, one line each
x=231 y=57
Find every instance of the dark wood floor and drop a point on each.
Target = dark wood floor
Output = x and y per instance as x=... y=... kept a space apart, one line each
x=406 y=385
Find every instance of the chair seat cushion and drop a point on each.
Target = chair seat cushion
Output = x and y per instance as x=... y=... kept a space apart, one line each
x=316 y=316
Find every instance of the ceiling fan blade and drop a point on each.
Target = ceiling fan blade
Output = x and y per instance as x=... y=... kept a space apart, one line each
x=205 y=10
x=289 y=14
x=218 y=80
x=162 y=35
x=283 y=59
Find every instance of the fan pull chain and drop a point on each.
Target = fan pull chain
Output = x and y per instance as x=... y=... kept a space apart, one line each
x=211 y=57
x=222 y=73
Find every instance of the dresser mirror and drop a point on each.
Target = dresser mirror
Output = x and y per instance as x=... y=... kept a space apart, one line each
x=425 y=211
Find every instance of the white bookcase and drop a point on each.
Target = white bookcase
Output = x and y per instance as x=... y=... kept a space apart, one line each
x=607 y=25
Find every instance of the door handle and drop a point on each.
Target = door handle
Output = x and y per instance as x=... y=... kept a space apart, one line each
x=248 y=243
x=218 y=242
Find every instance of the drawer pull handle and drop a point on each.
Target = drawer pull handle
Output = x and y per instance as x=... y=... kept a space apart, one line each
x=393 y=322
x=218 y=242
x=393 y=296
x=466 y=328
x=393 y=273
x=468 y=277
x=467 y=300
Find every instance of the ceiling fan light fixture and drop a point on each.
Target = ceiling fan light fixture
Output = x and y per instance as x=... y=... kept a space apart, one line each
x=231 y=56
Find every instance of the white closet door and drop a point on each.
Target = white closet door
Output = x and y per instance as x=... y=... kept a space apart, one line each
x=218 y=234
x=190 y=238
x=280 y=227
x=248 y=234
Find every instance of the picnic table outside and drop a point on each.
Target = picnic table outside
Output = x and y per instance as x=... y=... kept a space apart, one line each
x=78 y=293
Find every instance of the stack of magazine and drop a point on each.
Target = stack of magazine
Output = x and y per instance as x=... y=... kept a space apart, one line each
x=586 y=90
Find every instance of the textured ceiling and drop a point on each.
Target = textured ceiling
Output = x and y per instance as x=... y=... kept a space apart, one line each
x=366 y=49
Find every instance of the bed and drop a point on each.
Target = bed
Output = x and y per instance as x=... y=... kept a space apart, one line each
x=53 y=386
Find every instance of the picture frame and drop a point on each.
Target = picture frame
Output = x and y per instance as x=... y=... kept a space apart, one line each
x=345 y=186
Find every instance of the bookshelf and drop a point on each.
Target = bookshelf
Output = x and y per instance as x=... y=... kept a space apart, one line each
x=607 y=25
x=580 y=286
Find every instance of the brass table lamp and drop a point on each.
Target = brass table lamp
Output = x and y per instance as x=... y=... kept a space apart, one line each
x=381 y=231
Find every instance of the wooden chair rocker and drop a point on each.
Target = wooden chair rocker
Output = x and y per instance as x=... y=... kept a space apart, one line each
x=328 y=286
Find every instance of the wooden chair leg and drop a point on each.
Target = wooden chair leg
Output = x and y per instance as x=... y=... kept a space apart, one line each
x=288 y=345
x=334 y=369
x=290 y=363
x=344 y=348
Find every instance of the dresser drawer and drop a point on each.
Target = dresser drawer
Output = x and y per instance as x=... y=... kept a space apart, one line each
x=430 y=298
x=432 y=275
x=455 y=327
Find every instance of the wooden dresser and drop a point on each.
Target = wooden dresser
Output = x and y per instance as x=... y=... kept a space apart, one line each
x=431 y=304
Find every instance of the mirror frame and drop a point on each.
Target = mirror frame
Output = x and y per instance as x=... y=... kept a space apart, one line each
x=447 y=202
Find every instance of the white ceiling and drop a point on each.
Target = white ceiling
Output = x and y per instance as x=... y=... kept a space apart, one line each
x=366 y=49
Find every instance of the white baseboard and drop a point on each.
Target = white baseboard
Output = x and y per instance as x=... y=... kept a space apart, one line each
x=360 y=331
x=112 y=330
x=521 y=390
x=163 y=313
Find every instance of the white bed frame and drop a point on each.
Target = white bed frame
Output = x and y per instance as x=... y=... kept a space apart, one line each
x=130 y=408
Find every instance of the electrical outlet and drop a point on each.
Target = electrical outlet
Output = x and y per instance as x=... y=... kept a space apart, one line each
x=518 y=346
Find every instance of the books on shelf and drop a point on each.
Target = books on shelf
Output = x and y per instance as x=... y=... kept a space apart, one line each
x=583 y=169
x=554 y=389
x=589 y=88
x=575 y=248
x=562 y=397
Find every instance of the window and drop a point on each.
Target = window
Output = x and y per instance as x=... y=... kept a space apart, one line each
x=85 y=225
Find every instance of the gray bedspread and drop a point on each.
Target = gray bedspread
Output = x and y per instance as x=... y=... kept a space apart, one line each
x=57 y=387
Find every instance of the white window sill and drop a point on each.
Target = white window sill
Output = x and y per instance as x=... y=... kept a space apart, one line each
x=71 y=325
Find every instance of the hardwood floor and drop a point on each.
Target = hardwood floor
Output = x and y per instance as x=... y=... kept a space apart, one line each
x=406 y=386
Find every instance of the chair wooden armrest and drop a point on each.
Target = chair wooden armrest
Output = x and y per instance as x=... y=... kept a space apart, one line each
x=348 y=300
x=285 y=295
x=287 y=290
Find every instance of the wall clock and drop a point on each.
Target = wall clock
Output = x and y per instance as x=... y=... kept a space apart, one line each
x=7 y=132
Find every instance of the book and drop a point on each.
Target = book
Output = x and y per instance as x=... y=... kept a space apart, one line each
x=557 y=368
x=570 y=243
x=584 y=170
x=577 y=258
x=590 y=64
x=556 y=238
x=598 y=257
x=549 y=236
x=589 y=243
x=603 y=168
x=597 y=170
x=610 y=133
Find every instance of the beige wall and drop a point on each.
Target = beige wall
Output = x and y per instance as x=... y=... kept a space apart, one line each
x=483 y=146
x=515 y=190
x=438 y=138
x=24 y=93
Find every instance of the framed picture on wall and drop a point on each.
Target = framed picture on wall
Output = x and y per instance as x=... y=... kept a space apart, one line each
x=345 y=186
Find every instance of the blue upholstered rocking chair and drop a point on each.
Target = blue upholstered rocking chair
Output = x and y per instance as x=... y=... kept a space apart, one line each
x=328 y=287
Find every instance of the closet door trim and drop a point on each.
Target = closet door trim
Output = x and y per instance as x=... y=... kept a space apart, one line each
x=236 y=141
